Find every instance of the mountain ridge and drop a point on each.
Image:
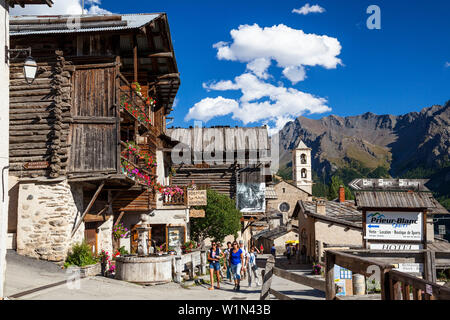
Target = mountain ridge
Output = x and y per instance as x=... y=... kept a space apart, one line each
x=401 y=144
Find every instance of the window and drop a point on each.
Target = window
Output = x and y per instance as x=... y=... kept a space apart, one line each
x=303 y=158
x=284 y=190
x=284 y=207
x=304 y=173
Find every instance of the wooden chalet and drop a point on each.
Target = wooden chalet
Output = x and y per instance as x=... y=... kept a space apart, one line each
x=83 y=122
x=222 y=158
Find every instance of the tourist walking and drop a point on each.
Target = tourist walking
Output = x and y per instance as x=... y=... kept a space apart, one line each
x=214 y=255
x=236 y=262
x=245 y=262
x=227 y=260
x=252 y=267
x=289 y=253
x=273 y=250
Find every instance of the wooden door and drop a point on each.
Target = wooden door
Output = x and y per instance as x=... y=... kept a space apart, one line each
x=90 y=236
x=93 y=133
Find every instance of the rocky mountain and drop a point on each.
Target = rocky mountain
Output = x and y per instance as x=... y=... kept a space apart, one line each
x=414 y=142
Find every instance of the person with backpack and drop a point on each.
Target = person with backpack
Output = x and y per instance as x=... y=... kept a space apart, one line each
x=236 y=263
x=214 y=255
x=252 y=267
x=227 y=260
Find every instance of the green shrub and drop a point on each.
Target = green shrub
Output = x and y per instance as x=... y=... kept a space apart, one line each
x=80 y=255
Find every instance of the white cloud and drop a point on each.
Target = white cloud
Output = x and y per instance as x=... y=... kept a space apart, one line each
x=97 y=10
x=447 y=64
x=260 y=101
x=60 y=7
x=209 y=108
x=259 y=67
x=292 y=49
x=307 y=9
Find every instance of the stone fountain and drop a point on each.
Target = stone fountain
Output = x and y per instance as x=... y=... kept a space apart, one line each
x=144 y=268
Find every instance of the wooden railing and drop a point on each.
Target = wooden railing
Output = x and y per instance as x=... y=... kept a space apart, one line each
x=403 y=286
x=395 y=285
x=271 y=270
x=176 y=199
x=134 y=162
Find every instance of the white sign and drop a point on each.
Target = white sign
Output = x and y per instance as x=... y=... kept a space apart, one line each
x=395 y=246
x=410 y=267
x=387 y=225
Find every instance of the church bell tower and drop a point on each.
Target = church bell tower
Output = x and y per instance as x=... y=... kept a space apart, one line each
x=301 y=167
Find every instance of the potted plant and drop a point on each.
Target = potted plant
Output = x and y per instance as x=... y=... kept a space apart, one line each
x=104 y=258
x=317 y=269
x=119 y=232
x=189 y=246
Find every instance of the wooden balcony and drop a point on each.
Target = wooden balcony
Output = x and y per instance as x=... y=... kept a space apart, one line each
x=135 y=165
x=179 y=198
x=134 y=106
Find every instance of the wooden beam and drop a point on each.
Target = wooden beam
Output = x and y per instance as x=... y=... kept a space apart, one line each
x=330 y=289
x=135 y=57
x=91 y=203
x=301 y=279
x=119 y=218
x=267 y=278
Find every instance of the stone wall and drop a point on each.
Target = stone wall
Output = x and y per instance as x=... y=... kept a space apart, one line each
x=104 y=237
x=289 y=194
x=47 y=212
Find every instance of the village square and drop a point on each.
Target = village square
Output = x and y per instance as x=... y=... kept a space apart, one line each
x=104 y=199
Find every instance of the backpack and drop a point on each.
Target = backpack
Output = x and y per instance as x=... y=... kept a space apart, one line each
x=217 y=254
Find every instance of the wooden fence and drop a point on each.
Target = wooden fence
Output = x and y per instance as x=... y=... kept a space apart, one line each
x=189 y=261
x=395 y=285
x=271 y=270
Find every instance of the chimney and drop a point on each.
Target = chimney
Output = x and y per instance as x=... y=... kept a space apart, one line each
x=321 y=207
x=341 y=193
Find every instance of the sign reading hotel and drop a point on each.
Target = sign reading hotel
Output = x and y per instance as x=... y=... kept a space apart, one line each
x=386 y=225
x=196 y=197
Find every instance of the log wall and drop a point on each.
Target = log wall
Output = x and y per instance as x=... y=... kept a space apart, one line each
x=40 y=117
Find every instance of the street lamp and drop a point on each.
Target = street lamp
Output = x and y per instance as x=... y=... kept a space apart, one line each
x=30 y=69
x=30 y=66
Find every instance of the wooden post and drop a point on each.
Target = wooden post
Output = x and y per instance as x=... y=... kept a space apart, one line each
x=267 y=278
x=203 y=262
x=430 y=266
x=385 y=285
x=91 y=203
x=178 y=269
x=330 y=290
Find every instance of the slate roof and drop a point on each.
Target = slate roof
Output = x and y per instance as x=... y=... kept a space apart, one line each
x=399 y=199
x=28 y=25
x=271 y=193
x=274 y=233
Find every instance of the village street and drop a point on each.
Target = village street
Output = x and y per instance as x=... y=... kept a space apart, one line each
x=24 y=274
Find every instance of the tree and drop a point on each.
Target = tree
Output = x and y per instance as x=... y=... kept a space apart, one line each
x=221 y=219
x=333 y=191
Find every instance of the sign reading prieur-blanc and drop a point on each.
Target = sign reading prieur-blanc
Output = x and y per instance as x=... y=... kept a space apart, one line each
x=386 y=225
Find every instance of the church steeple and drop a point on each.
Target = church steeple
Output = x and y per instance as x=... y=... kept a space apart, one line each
x=301 y=167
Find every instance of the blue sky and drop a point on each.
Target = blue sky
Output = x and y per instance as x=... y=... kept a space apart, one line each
x=397 y=69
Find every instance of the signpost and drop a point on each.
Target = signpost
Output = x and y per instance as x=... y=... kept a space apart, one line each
x=196 y=198
x=388 y=184
x=193 y=213
x=385 y=225
x=36 y=165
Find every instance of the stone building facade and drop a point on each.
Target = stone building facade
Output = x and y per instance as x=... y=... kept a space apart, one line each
x=46 y=214
x=287 y=197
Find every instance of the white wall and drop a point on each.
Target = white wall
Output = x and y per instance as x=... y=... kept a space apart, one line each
x=4 y=136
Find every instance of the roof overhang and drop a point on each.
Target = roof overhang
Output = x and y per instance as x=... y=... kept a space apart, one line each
x=22 y=3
